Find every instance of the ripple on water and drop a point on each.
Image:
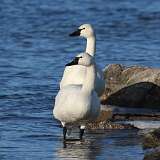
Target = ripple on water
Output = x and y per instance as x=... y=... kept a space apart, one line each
x=34 y=48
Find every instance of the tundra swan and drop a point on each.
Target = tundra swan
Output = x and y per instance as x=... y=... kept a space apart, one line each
x=77 y=104
x=76 y=74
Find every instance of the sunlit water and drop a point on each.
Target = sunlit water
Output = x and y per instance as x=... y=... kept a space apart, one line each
x=34 y=47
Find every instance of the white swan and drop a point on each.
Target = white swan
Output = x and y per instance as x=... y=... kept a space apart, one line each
x=78 y=104
x=76 y=74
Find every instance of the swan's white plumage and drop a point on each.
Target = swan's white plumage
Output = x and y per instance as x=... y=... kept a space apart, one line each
x=75 y=75
x=72 y=106
x=78 y=103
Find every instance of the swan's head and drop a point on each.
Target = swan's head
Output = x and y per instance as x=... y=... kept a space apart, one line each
x=85 y=30
x=82 y=59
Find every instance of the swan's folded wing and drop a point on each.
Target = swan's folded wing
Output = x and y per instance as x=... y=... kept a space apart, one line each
x=73 y=75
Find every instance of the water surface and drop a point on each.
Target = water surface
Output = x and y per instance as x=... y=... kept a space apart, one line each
x=34 y=48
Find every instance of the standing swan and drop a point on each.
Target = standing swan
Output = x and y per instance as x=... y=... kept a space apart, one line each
x=78 y=104
x=76 y=74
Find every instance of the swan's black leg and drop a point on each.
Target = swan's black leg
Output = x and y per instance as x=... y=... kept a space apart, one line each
x=81 y=133
x=64 y=144
x=64 y=133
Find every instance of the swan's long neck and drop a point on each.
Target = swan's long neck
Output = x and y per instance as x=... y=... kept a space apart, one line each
x=89 y=80
x=91 y=45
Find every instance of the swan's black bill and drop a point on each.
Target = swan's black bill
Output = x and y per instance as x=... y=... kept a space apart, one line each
x=74 y=62
x=76 y=33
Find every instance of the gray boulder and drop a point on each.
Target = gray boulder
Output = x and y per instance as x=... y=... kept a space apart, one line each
x=132 y=86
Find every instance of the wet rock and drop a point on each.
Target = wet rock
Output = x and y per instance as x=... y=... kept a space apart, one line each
x=132 y=86
x=153 y=155
x=103 y=121
x=152 y=141
x=128 y=113
x=108 y=125
x=135 y=117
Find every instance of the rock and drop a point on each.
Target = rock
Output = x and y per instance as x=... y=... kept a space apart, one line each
x=103 y=121
x=130 y=117
x=152 y=140
x=132 y=86
x=108 y=125
x=123 y=113
x=105 y=114
x=153 y=155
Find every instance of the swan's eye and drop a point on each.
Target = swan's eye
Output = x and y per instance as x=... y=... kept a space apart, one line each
x=81 y=29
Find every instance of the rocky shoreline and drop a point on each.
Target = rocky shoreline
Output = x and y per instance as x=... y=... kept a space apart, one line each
x=135 y=91
x=131 y=93
x=108 y=125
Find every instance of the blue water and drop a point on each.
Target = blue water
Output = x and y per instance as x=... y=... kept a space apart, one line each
x=35 y=46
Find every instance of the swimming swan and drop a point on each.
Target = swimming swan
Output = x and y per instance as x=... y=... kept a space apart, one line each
x=78 y=104
x=76 y=74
